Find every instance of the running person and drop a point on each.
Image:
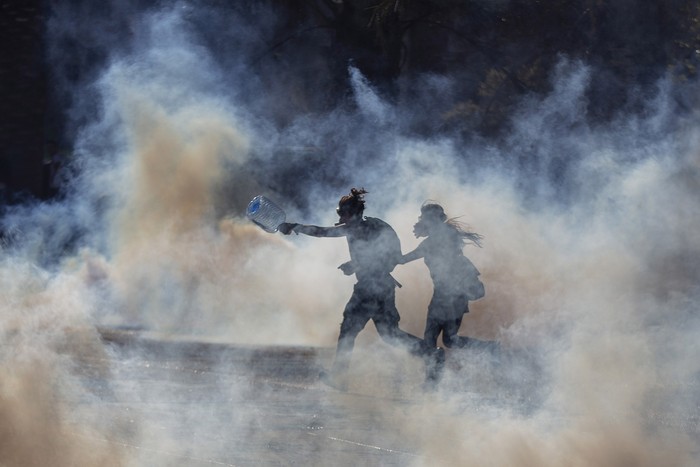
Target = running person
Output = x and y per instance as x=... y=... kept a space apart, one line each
x=374 y=252
x=449 y=268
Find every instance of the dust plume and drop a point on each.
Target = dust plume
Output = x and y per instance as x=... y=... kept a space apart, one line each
x=47 y=333
x=590 y=257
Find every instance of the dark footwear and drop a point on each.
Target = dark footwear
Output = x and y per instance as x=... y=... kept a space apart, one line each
x=440 y=356
x=333 y=380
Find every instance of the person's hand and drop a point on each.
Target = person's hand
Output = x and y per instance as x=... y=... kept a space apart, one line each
x=286 y=227
x=347 y=268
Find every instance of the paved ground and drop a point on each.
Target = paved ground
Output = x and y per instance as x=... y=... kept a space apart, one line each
x=178 y=403
x=190 y=403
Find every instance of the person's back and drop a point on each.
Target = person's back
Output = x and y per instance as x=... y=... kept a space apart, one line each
x=442 y=253
x=374 y=249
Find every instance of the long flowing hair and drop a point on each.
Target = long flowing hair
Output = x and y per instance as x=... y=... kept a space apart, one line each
x=432 y=210
x=468 y=237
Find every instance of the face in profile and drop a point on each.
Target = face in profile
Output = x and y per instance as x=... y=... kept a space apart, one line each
x=346 y=213
x=431 y=216
x=421 y=228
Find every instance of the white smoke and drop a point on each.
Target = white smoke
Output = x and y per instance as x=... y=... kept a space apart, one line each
x=589 y=259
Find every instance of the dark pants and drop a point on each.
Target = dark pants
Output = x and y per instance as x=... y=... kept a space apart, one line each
x=445 y=314
x=375 y=301
x=449 y=329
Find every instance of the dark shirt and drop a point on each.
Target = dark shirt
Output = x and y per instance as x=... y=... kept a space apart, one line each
x=374 y=247
x=442 y=253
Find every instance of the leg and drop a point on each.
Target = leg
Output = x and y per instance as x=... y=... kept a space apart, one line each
x=354 y=320
x=457 y=306
x=393 y=335
x=434 y=366
x=432 y=330
x=433 y=327
x=386 y=319
x=450 y=337
x=433 y=356
x=349 y=329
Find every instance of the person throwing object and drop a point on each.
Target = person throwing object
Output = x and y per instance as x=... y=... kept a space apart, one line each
x=374 y=252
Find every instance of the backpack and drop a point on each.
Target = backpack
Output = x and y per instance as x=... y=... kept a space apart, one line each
x=473 y=287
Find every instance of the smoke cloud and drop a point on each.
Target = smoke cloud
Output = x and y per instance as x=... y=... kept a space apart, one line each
x=590 y=256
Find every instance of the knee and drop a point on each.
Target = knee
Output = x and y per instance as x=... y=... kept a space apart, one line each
x=385 y=329
x=349 y=329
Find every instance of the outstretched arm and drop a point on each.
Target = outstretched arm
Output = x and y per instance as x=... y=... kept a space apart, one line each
x=313 y=230
x=411 y=256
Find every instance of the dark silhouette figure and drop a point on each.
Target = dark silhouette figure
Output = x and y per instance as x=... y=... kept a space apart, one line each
x=374 y=252
x=454 y=276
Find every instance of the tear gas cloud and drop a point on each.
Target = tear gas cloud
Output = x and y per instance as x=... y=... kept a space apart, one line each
x=590 y=256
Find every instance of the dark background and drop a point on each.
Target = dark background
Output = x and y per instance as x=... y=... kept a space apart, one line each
x=497 y=51
x=24 y=98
